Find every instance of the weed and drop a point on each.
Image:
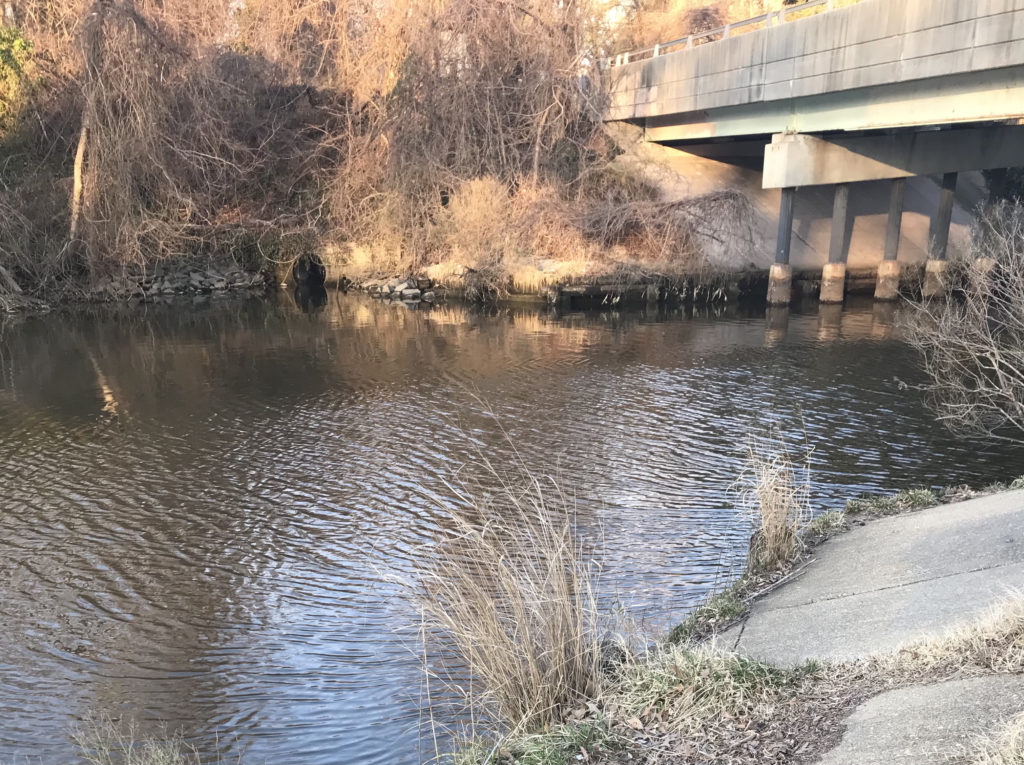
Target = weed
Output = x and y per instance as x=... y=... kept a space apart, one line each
x=910 y=499
x=716 y=613
x=825 y=524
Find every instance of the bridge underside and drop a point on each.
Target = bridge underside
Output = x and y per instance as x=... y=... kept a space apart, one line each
x=790 y=160
x=937 y=128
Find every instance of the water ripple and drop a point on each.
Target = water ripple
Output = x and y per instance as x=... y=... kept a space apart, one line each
x=204 y=509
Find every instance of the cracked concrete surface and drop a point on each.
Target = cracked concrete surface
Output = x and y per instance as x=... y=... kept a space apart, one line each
x=891 y=581
x=927 y=724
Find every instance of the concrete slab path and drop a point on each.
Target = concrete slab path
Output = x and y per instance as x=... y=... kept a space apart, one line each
x=891 y=581
x=927 y=724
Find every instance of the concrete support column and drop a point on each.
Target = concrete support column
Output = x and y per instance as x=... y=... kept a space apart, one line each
x=780 y=278
x=887 y=286
x=833 y=275
x=935 y=269
x=997 y=183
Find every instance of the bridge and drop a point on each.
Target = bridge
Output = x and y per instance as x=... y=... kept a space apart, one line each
x=823 y=95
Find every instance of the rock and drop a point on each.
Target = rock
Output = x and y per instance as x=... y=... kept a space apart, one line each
x=402 y=283
x=410 y=294
x=424 y=283
x=429 y=296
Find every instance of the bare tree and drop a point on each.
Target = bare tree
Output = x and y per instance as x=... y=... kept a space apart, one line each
x=972 y=338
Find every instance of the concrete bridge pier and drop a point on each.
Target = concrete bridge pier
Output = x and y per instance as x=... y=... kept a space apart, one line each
x=887 y=286
x=833 y=274
x=780 y=278
x=935 y=268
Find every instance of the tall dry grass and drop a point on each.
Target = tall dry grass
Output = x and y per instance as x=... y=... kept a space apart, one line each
x=774 y=491
x=105 y=741
x=508 y=606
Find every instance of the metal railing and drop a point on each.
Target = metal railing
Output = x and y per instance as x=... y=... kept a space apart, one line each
x=770 y=19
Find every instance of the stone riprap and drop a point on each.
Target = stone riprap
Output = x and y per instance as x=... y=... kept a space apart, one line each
x=406 y=289
x=169 y=280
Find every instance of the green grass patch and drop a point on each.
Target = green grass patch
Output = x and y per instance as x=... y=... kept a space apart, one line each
x=910 y=499
x=714 y=614
x=826 y=523
x=696 y=686
x=560 y=745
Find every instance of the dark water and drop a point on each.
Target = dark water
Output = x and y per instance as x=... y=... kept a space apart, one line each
x=201 y=505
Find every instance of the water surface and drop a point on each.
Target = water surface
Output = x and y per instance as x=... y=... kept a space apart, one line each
x=202 y=504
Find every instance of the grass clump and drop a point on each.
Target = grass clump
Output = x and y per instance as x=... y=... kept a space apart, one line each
x=703 y=680
x=1004 y=747
x=507 y=598
x=826 y=523
x=993 y=643
x=716 y=613
x=909 y=499
x=774 y=497
x=104 y=741
x=708 y=705
x=562 y=745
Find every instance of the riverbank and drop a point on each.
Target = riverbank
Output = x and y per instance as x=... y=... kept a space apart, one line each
x=623 y=284
x=892 y=636
x=896 y=641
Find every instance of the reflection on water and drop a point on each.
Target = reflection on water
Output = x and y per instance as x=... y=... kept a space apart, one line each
x=202 y=503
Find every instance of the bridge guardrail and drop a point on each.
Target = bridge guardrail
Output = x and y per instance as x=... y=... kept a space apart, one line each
x=770 y=19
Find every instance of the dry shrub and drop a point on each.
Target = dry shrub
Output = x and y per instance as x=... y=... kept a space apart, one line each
x=505 y=236
x=488 y=90
x=147 y=137
x=479 y=224
x=971 y=339
x=774 y=497
x=499 y=234
x=661 y=21
x=179 y=141
x=191 y=129
x=507 y=597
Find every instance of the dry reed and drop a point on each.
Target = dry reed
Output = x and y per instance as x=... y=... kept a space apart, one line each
x=774 y=497
x=507 y=599
x=105 y=741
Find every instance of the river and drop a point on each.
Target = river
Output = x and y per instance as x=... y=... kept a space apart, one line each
x=204 y=503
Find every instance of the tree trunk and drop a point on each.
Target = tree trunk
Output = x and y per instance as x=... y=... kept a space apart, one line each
x=78 y=192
